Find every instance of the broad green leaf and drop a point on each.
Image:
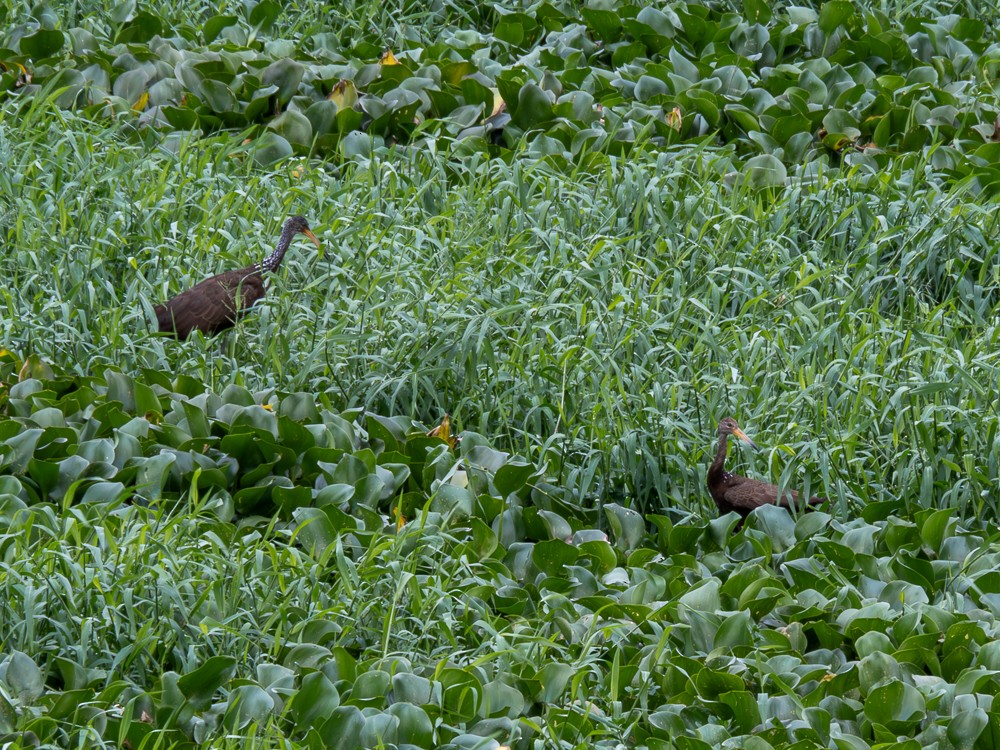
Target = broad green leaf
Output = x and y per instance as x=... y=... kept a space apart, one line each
x=765 y=171
x=23 y=677
x=414 y=725
x=199 y=686
x=627 y=526
x=42 y=44
x=314 y=701
x=896 y=706
x=343 y=728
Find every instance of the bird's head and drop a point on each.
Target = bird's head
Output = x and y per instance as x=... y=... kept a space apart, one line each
x=298 y=225
x=728 y=426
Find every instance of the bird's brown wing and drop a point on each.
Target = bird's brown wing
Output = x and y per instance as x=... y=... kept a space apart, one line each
x=212 y=305
x=745 y=494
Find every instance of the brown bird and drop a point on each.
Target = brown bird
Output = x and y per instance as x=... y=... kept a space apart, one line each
x=741 y=494
x=216 y=303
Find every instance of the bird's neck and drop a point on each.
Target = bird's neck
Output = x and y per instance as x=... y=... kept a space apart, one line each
x=272 y=261
x=718 y=465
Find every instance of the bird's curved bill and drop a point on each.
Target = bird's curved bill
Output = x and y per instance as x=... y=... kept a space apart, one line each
x=743 y=436
x=309 y=233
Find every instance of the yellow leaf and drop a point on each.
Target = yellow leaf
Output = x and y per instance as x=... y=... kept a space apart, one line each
x=141 y=102
x=267 y=406
x=388 y=58
x=498 y=103
x=443 y=431
x=344 y=94
x=23 y=77
x=675 y=119
x=398 y=513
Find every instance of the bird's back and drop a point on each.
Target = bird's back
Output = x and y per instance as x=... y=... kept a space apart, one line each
x=212 y=305
x=742 y=494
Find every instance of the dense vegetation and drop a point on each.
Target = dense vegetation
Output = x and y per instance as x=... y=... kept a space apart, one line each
x=586 y=230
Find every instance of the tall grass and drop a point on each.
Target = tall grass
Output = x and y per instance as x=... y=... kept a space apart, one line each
x=601 y=320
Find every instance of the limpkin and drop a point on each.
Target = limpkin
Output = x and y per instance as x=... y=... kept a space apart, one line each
x=216 y=303
x=732 y=492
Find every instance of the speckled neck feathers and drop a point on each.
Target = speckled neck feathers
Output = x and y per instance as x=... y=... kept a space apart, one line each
x=272 y=261
x=718 y=465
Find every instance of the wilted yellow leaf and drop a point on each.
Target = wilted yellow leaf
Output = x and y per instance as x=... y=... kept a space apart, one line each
x=267 y=406
x=443 y=431
x=344 y=94
x=23 y=76
x=141 y=102
x=398 y=513
x=675 y=119
x=498 y=103
x=388 y=58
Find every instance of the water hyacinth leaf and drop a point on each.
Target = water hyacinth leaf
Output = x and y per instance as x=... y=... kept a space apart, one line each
x=500 y=699
x=288 y=499
x=966 y=727
x=461 y=693
x=370 y=689
x=264 y=14
x=294 y=127
x=551 y=556
x=271 y=148
x=757 y=11
x=556 y=526
x=214 y=26
x=42 y=44
x=649 y=87
x=513 y=478
x=218 y=96
x=877 y=669
x=356 y=145
x=703 y=597
x=23 y=677
x=314 y=528
x=735 y=631
x=411 y=688
x=451 y=500
x=834 y=13
x=484 y=540
x=322 y=116
x=627 y=526
x=414 y=726
x=249 y=703
x=605 y=23
x=130 y=85
x=765 y=171
x=199 y=686
x=896 y=706
x=534 y=108
x=743 y=704
x=140 y=29
x=380 y=730
x=554 y=677
x=286 y=74
x=602 y=553
x=343 y=728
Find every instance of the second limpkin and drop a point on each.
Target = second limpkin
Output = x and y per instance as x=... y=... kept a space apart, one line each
x=216 y=303
x=732 y=492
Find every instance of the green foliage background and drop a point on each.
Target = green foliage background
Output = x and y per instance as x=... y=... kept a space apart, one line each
x=683 y=211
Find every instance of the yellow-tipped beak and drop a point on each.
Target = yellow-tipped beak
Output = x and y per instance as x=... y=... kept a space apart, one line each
x=309 y=233
x=742 y=436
